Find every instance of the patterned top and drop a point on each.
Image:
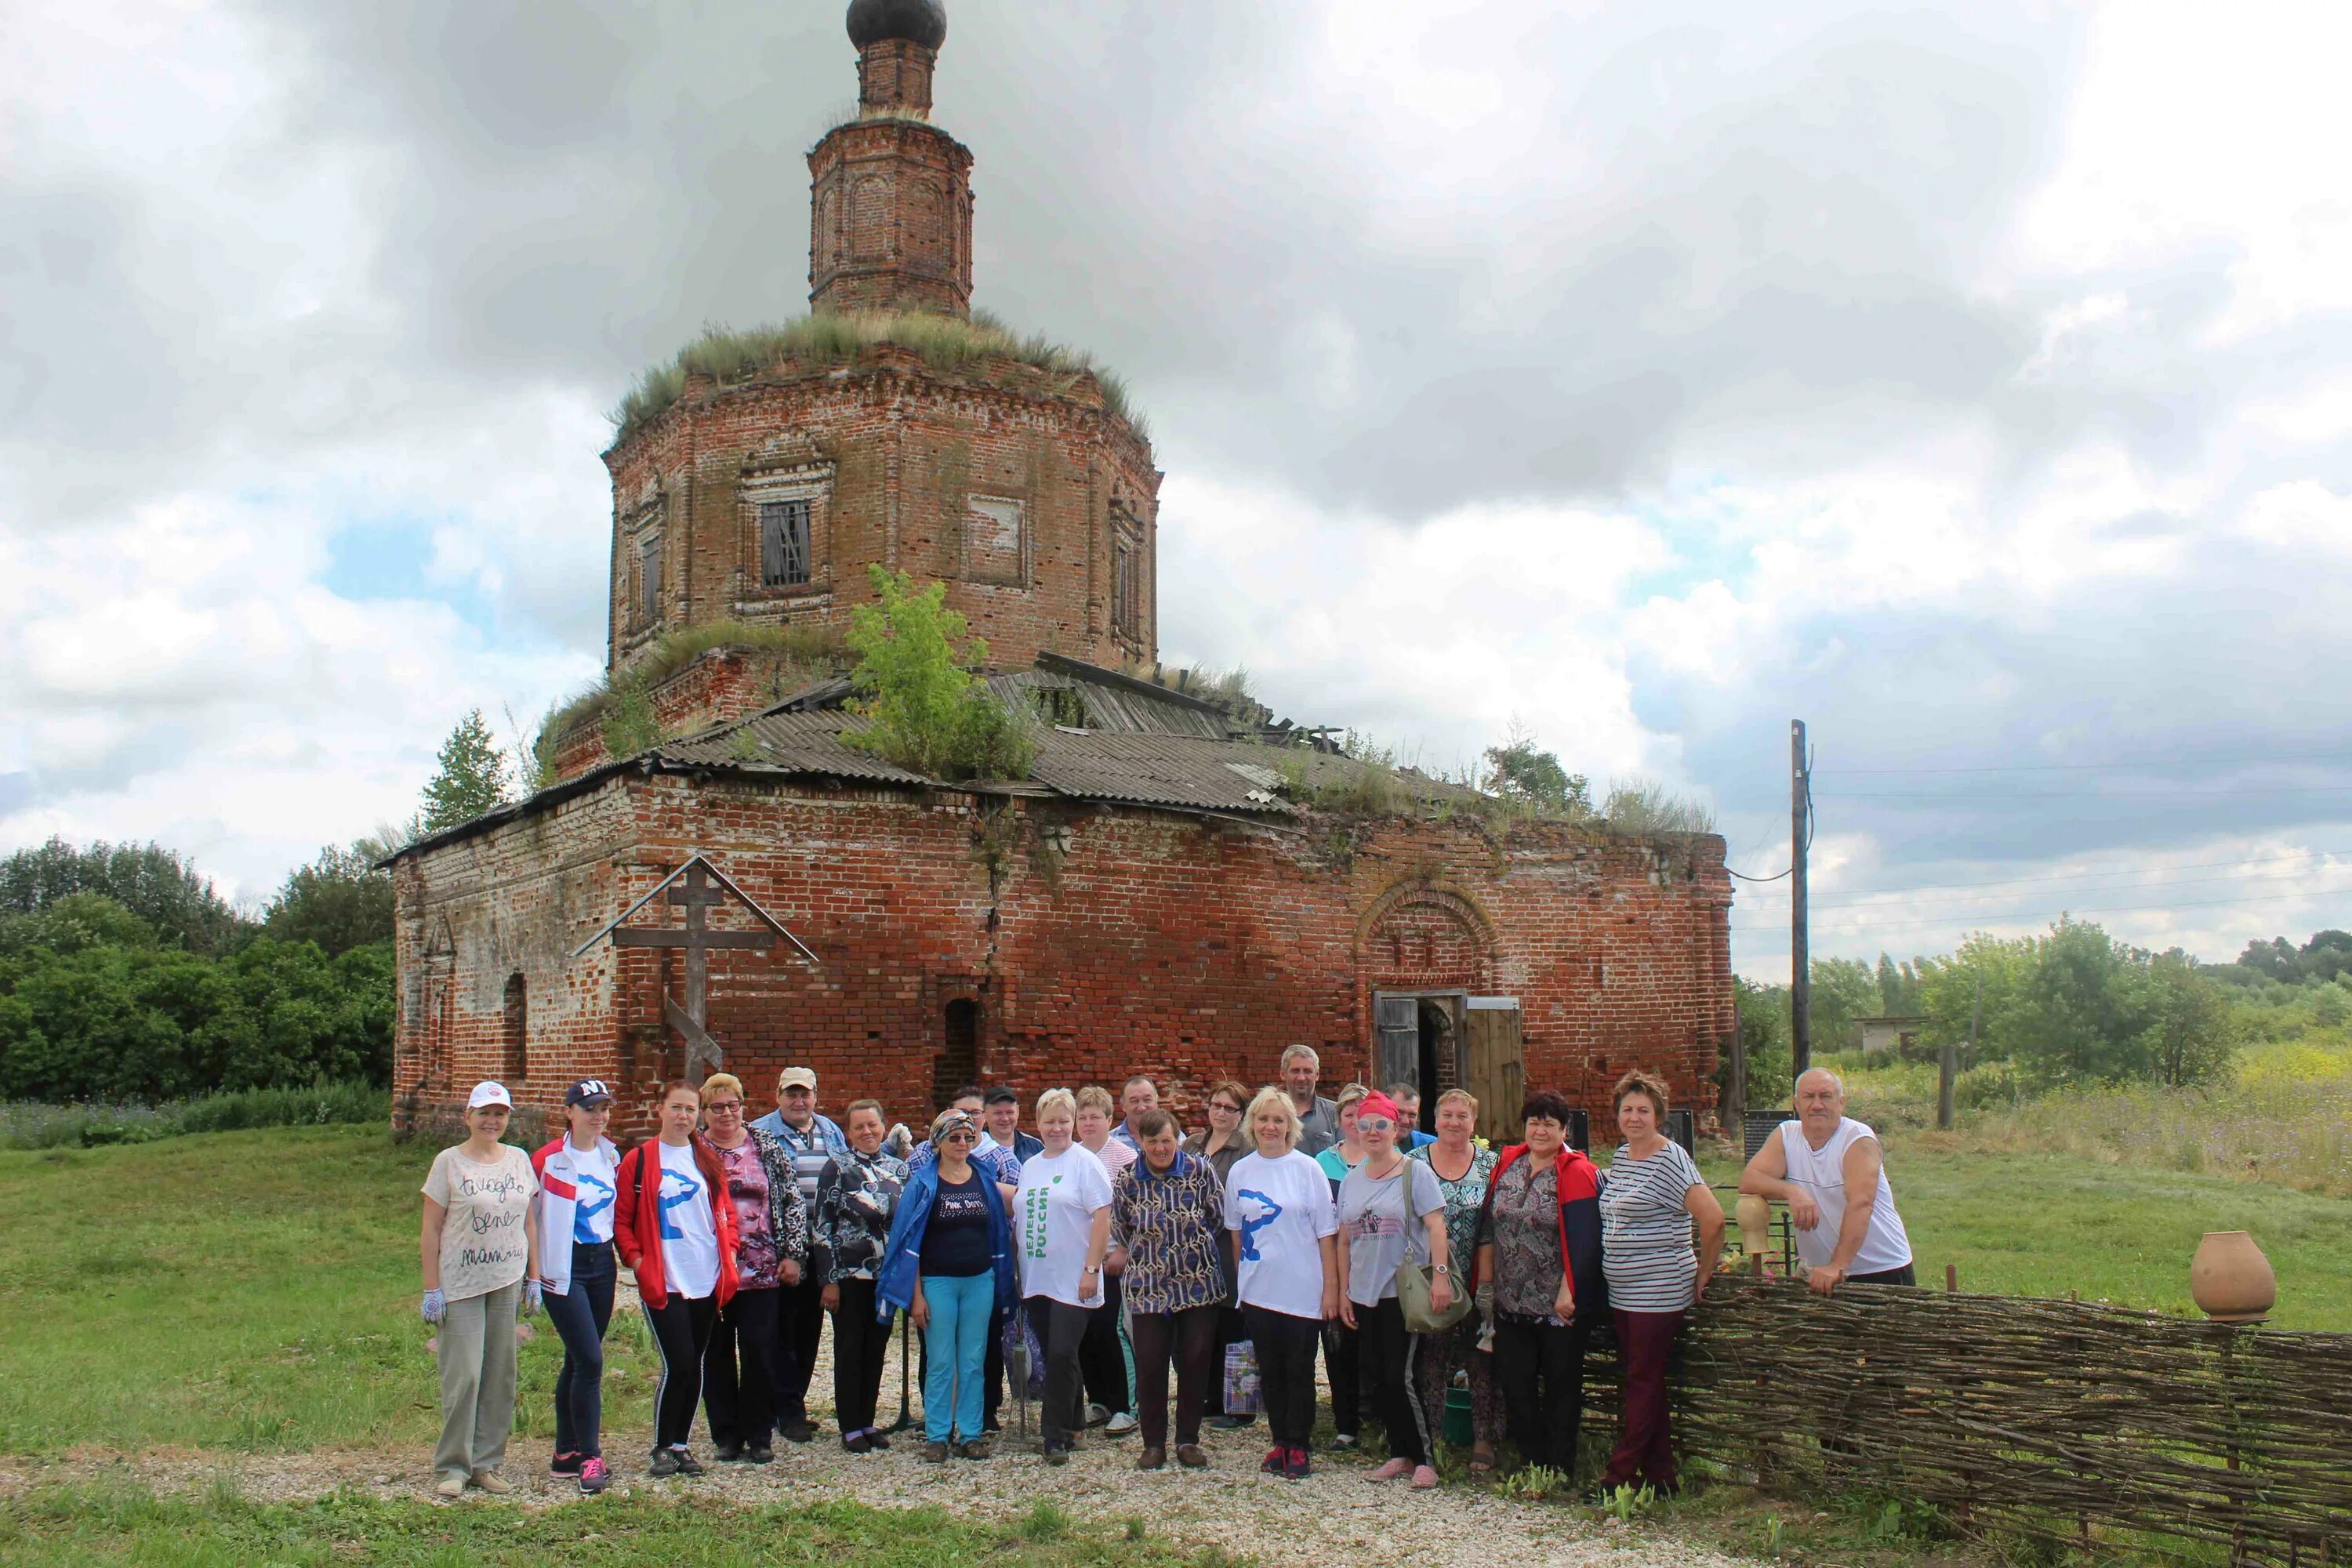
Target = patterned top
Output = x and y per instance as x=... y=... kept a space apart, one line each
x=785 y=1234
x=1645 y=1232
x=1462 y=1200
x=1172 y=1227
x=1524 y=1226
x=854 y=1199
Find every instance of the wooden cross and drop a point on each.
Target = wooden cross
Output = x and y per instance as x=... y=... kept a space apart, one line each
x=704 y=887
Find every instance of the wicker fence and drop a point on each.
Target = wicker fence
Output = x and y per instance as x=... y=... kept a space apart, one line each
x=2050 y=1417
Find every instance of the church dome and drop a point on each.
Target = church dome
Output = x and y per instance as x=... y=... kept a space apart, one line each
x=923 y=22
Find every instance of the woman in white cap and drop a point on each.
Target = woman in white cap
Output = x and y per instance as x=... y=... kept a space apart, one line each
x=579 y=1271
x=479 y=1248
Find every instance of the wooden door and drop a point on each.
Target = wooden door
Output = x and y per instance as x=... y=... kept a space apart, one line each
x=1397 y=1022
x=1493 y=1066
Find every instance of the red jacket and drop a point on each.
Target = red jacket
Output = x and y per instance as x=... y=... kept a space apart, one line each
x=636 y=1219
x=1579 y=1185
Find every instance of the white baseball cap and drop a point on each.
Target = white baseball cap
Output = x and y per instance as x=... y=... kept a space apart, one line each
x=489 y=1093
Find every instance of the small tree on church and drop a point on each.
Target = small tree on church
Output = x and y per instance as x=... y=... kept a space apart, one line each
x=473 y=776
x=918 y=704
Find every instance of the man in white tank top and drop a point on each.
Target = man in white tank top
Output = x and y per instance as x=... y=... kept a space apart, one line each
x=1831 y=1173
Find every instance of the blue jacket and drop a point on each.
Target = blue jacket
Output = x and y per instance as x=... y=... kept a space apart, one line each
x=894 y=1278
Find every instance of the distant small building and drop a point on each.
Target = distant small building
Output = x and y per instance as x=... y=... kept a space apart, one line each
x=1889 y=1031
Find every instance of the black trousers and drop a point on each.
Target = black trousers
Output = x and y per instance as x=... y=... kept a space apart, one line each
x=1343 y=1367
x=861 y=1348
x=1540 y=1367
x=800 y=1327
x=992 y=1368
x=1100 y=1359
x=741 y=1400
x=681 y=1332
x=1386 y=1349
x=1905 y=1274
x=1190 y=1337
x=579 y=1316
x=1286 y=1371
x=1062 y=1329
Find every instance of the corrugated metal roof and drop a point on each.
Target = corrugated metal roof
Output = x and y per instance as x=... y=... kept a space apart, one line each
x=1135 y=748
x=789 y=743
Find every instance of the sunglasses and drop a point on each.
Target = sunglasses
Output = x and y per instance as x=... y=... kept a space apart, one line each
x=961 y=1135
x=1373 y=1124
x=1228 y=1109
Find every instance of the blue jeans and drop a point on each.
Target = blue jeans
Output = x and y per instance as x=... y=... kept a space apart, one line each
x=957 y=1347
x=580 y=1317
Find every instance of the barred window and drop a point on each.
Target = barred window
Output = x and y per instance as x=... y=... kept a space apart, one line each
x=649 y=579
x=1125 y=607
x=783 y=544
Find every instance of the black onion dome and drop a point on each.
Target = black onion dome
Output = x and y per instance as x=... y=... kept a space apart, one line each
x=923 y=22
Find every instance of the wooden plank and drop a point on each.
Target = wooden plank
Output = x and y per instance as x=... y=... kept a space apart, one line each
x=1397 y=1020
x=1495 y=1071
x=701 y=1048
x=749 y=940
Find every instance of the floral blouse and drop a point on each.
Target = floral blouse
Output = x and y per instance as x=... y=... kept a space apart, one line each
x=855 y=1196
x=1462 y=1200
x=1524 y=1225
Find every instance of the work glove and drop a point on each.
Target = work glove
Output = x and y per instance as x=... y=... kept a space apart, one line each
x=436 y=1306
x=530 y=1290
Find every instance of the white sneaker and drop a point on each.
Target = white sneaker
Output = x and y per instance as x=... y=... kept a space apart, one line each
x=1098 y=1414
x=1120 y=1425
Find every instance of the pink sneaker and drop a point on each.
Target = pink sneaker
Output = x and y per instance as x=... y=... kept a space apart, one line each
x=593 y=1479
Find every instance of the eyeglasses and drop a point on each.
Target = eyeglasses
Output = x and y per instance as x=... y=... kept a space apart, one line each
x=725 y=1107
x=1228 y=1109
x=1374 y=1125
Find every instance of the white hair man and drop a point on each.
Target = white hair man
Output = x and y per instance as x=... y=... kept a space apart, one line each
x=1830 y=1171
x=1319 y=1119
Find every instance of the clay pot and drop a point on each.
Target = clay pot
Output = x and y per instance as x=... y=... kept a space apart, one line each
x=1755 y=1225
x=2230 y=1278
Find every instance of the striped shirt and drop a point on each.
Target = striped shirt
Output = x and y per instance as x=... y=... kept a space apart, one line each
x=1645 y=1232
x=810 y=1151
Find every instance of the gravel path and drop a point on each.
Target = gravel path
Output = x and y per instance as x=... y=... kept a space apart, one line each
x=1333 y=1516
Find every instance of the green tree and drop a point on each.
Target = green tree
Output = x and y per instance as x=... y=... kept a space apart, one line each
x=2082 y=1014
x=340 y=901
x=2191 y=1028
x=1844 y=989
x=473 y=776
x=1764 y=1036
x=917 y=704
x=76 y=922
x=154 y=884
x=1526 y=776
x=1948 y=992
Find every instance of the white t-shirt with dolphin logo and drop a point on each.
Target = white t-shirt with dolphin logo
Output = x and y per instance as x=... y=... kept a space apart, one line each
x=1282 y=1210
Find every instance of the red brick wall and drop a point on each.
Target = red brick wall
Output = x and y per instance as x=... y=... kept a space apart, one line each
x=723 y=684
x=894 y=452
x=1188 y=948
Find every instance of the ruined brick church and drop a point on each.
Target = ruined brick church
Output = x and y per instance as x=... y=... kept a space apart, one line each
x=1182 y=886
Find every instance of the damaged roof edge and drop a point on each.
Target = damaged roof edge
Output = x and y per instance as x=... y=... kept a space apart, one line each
x=650 y=764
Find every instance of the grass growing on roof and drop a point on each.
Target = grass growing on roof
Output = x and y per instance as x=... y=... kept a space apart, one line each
x=622 y=704
x=944 y=342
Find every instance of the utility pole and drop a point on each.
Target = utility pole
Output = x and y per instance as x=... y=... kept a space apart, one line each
x=1801 y=969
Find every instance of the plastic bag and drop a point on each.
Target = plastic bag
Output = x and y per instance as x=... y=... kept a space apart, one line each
x=1241 y=1379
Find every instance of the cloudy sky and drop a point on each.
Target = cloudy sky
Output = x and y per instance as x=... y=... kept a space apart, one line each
x=1974 y=382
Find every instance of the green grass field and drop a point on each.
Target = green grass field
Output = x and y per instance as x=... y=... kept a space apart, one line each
x=103 y=1525
x=249 y=1290
x=257 y=1290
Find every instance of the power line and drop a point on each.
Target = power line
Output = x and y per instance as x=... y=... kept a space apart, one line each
x=2012 y=916
x=2077 y=794
x=2125 y=872
x=2240 y=761
x=1997 y=897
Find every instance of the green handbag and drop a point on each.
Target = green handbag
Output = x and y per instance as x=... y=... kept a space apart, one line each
x=1413 y=1296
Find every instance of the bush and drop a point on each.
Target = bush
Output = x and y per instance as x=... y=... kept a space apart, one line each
x=918 y=704
x=133 y=1024
x=33 y=1125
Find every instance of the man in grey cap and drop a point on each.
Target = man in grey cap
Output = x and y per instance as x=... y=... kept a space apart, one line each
x=812 y=1140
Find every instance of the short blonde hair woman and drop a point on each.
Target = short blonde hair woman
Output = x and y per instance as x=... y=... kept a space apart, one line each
x=1280 y=1219
x=1060 y=1099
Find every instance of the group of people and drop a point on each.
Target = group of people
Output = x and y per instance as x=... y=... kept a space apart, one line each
x=1294 y=1223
